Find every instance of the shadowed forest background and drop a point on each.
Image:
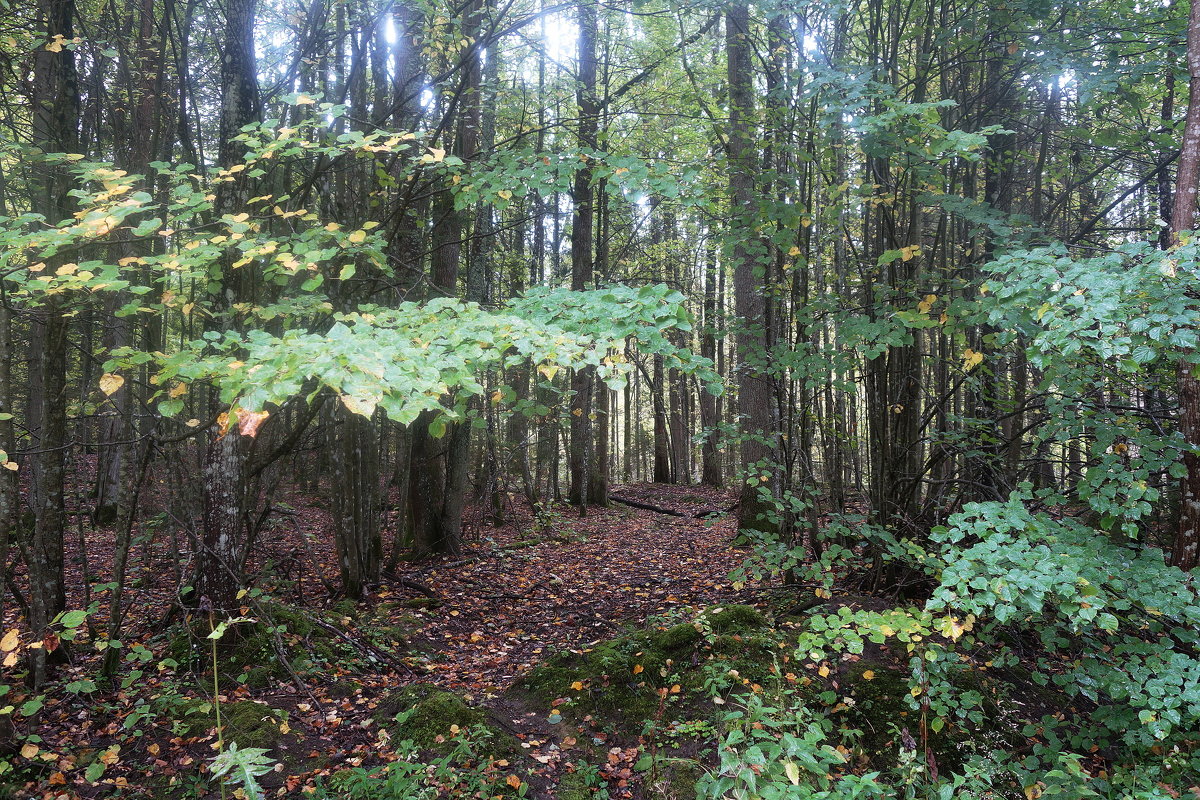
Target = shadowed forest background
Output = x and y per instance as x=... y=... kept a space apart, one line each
x=502 y=398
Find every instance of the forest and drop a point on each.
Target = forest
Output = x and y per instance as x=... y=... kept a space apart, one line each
x=680 y=399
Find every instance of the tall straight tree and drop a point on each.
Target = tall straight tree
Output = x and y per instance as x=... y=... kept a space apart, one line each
x=218 y=563
x=1186 y=551
x=749 y=255
x=55 y=130
x=588 y=478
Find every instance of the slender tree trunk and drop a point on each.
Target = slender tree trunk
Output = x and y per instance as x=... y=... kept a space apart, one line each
x=55 y=129
x=1185 y=553
x=749 y=256
x=710 y=463
x=222 y=545
x=583 y=381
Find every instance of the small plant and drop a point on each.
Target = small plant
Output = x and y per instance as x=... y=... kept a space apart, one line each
x=240 y=767
x=462 y=771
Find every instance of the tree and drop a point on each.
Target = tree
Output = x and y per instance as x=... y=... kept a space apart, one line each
x=748 y=255
x=1185 y=553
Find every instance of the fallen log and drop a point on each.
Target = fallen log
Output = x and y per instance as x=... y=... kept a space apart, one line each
x=705 y=514
x=647 y=506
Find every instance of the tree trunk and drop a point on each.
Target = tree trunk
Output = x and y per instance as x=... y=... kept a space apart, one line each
x=1185 y=553
x=583 y=381
x=749 y=256
x=55 y=120
x=355 y=504
x=217 y=563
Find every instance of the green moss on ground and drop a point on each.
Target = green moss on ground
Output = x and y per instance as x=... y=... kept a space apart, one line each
x=619 y=681
x=437 y=717
x=249 y=652
x=246 y=722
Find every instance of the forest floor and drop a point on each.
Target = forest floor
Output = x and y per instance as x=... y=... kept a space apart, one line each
x=519 y=593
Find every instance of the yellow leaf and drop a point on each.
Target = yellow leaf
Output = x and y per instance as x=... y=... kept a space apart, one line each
x=795 y=251
x=638 y=668
x=29 y=750
x=10 y=659
x=927 y=303
x=110 y=383
x=10 y=640
x=547 y=371
x=364 y=407
x=504 y=194
x=971 y=359
x=11 y=466
x=304 y=100
x=915 y=691
x=513 y=781
x=868 y=675
x=823 y=671
x=358 y=237
x=577 y=686
x=110 y=756
x=66 y=269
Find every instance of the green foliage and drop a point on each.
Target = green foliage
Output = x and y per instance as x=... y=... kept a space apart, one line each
x=299 y=341
x=463 y=768
x=242 y=767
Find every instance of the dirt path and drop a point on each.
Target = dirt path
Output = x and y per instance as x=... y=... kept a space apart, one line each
x=502 y=613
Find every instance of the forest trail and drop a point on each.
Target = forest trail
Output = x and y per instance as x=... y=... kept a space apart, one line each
x=580 y=579
x=512 y=605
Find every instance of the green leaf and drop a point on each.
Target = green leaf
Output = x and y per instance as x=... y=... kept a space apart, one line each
x=72 y=619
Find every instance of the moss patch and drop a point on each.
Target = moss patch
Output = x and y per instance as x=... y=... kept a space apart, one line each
x=619 y=682
x=432 y=716
x=249 y=652
x=246 y=722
